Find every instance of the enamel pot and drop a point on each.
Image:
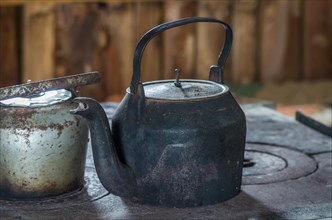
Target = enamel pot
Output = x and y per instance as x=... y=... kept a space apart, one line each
x=42 y=146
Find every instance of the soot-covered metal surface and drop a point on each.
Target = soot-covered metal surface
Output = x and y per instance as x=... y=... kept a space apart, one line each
x=287 y=175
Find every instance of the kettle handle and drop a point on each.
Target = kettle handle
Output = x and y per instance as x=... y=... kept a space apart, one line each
x=215 y=71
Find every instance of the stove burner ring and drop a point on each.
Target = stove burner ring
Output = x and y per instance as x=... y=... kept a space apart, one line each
x=268 y=164
x=91 y=191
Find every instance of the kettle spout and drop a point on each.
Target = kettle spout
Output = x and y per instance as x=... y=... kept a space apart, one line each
x=115 y=176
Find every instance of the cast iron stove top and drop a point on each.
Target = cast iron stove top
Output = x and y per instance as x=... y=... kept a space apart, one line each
x=287 y=175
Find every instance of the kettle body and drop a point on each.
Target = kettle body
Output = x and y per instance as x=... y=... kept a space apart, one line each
x=182 y=153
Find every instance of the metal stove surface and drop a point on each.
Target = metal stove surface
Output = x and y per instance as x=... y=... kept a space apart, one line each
x=287 y=175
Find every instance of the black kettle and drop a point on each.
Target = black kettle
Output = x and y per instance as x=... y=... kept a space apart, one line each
x=175 y=144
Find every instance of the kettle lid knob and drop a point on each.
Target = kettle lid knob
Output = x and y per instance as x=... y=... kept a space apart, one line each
x=177 y=82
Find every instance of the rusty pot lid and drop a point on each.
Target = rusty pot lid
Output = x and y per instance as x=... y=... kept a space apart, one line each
x=183 y=89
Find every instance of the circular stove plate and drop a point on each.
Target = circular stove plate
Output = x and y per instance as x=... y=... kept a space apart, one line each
x=269 y=164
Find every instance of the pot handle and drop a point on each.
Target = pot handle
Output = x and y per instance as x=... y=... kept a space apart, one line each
x=215 y=71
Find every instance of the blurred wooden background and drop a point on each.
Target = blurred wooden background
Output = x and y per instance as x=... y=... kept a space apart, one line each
x=274 y=41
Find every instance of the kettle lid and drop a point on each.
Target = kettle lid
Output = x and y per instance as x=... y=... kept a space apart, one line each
x=183 y=90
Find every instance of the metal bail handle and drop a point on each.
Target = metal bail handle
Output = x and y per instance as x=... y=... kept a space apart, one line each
x=162 y=27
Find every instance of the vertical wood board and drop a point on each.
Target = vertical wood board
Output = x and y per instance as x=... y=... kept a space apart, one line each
x=149 y=15
x=77 y=42
x=9 y=61
x=179 y=43
x=274 y=40
x=211 y=36
x=317 y=39
x=120 y=24
x=245 y=44
x=38 y=41
x=293 y=65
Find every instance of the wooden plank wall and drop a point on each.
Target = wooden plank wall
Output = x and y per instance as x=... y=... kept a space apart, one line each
x=274 y=41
